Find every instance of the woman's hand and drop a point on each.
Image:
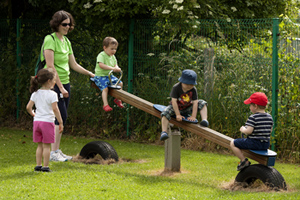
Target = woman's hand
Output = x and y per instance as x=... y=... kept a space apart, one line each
x=91 y=74
x=64 y=92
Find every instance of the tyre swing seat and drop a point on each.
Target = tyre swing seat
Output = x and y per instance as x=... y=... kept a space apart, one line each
x=104 y=149
x=265 y=173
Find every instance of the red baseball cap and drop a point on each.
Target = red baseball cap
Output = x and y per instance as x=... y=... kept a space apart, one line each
x=258 y=98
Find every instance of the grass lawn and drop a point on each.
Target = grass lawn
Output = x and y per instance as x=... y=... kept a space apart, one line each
x=203 y=175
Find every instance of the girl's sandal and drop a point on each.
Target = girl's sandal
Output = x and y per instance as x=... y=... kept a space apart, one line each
x=119 y=103
x=107 y=108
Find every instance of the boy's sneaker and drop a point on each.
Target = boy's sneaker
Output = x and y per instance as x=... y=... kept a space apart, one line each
x=204 y=123
x=56 y=156
x=64 y=155
x=243 y=164
x=46 y=169
x=164 y=136
x=38 y=168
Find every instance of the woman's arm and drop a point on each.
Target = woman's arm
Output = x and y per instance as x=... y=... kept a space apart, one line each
x=76 y=67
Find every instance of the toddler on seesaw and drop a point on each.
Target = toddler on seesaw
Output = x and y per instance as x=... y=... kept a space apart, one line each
x=106 y=61
x=258 y=129
x=184 y=102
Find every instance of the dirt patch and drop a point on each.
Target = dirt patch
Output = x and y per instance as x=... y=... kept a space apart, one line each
x=257 y=186
x=100 y=161
x=166 y=173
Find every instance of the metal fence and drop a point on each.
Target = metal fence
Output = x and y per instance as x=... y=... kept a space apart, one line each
x=233 y=59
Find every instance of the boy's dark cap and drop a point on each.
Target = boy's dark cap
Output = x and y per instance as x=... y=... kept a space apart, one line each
x=188 y=76
x=258 y=98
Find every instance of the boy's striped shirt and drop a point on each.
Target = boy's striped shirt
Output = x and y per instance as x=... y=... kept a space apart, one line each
x=262 y=124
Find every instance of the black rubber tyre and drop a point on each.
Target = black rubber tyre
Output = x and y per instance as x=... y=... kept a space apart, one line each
x=268 y=175
x=104 y=149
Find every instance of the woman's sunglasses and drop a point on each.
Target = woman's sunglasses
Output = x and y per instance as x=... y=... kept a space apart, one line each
x=65 y=24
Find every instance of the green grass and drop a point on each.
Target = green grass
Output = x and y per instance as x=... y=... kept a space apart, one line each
x=203 y=175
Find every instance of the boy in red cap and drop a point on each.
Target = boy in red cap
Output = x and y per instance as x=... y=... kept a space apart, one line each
x=258 y=129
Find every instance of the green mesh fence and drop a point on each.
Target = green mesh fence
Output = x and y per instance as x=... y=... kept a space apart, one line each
x=233 y=59
x=287 y=133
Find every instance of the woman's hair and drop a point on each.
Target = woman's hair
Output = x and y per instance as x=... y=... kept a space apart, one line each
x=60 y=16
x=40 y=79
x=109 y=40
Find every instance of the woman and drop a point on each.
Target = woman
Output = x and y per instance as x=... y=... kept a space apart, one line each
x=59 y=56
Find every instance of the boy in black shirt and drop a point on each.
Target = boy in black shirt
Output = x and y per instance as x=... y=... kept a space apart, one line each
x=184 y=102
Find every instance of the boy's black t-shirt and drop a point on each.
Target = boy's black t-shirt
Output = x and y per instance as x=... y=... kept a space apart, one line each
x=184 y=99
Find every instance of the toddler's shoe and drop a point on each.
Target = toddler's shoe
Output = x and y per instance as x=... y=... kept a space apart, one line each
x=204 y=123
x=107 y=108
x=38 y=168
x=119 y=103
x=164 y=136
x=46 y=169
x=243 y=164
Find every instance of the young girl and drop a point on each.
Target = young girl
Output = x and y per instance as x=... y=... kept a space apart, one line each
x=45 y=101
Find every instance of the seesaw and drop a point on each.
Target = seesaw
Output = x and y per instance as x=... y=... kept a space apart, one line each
x=266 y=159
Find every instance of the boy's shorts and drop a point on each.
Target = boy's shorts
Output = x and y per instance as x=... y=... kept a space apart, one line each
x=103 y=81
x=43 y=132
x=168 y=112
x=246 y=143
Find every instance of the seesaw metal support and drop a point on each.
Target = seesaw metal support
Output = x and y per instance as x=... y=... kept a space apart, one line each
x=172 y=150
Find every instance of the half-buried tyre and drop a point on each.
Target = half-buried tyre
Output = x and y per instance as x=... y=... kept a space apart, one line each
x=268 y=175
x=104 y=149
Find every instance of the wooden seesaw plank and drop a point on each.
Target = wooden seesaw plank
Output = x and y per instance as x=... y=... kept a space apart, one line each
x=204 y=132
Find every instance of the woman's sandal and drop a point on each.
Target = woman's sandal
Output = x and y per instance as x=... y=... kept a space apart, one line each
x=107 y=108
x=119 y=103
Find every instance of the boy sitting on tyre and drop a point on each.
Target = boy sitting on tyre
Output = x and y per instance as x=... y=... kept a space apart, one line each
x=258 y=129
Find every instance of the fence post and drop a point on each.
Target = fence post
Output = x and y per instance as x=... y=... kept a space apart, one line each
x=18 y=65
x=130 y=69
x=275 y=77
x=209 y=58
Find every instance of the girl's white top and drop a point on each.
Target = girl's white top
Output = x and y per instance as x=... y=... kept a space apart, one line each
x=43 y=100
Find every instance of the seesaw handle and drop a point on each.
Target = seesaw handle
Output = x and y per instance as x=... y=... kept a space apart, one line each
x=111 y=71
